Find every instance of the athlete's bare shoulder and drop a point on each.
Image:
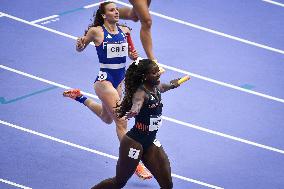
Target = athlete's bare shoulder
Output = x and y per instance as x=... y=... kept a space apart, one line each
x=124 y=28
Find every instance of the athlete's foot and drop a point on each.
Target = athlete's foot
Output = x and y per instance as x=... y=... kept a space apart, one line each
x=72 y=93
x=162 y=70
x=142 y=172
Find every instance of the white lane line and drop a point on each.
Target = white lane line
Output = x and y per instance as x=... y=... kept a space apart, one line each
x=168 y=67
x=39 y=26
x=44 y=80
x=55 y=16
x=43 y=19
x=209 y=30
x=223 y=135
x=95 y=151
x=203 y=28
x=164 y=117
x=223 y=83
x=274 y=2
x=92 y=5
x=14 y=184
x=1 y=14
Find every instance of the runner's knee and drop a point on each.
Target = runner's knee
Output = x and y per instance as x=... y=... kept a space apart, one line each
x=105 y=117
x=108 y=120
x=147 y=23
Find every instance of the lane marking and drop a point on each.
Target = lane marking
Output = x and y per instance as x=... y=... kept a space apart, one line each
x=65 y=12
x=223 y=83
x=92 y=5
x=165 y=66
x=223 y=135
x=247 y=86
x=164 y=117
x=209 y=30
x=14 y=184
x=44 y=80
x=71 y=11
x=274 y=2
x=4 y=101
x=201 y=27
x=40 y=26
x=95 y=151
x=43 y=19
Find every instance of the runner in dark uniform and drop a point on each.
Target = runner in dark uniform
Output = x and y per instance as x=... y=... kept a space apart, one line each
x=142 y=100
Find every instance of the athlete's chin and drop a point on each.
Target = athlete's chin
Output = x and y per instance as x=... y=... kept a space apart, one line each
x=114 y=20
x=158 y=82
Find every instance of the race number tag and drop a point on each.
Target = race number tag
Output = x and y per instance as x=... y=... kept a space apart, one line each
x=133 y=153
x=155 y=123
x=157 y=143
x=117 y=50
x=102 y=76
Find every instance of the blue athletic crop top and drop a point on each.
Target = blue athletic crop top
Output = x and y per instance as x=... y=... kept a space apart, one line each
x=113 y=50
x=112 y=54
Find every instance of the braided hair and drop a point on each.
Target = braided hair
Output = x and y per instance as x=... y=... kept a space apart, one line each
x=98 y=19
x=134 y=78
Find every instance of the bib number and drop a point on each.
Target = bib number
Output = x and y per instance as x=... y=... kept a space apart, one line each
x=155 y=123
x=157 y=143
x=133 y=153
x=102 y=76
x=117 y=50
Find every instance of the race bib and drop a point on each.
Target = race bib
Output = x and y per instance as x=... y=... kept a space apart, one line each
x=157 y=143
x=117 y=50
x=155 y=123
x=102 y=76
x=133 y=153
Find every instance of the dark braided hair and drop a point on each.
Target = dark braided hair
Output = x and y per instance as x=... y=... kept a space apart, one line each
x=134 y=78
x=98 y=19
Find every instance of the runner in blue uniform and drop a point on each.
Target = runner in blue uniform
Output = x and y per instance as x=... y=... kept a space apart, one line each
x=142 y=100
x=112 y=49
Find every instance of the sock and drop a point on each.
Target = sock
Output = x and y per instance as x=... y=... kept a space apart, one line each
x=81 y=99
